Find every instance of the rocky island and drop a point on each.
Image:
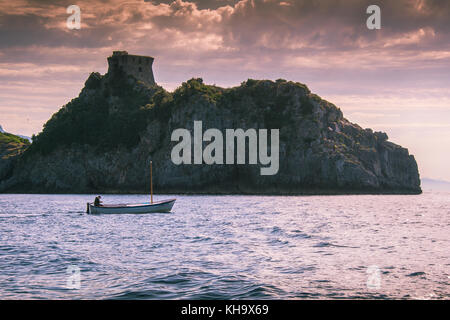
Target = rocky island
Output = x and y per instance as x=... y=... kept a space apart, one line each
x=103 y=140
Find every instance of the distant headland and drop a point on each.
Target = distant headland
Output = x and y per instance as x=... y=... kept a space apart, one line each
x=103 y=140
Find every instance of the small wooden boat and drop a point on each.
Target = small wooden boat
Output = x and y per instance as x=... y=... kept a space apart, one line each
x=160 y=206
x=152 y=207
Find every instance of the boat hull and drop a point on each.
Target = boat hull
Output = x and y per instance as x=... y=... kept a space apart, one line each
x=161 y=206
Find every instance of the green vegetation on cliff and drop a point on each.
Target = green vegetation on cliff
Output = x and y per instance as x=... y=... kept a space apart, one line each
x=103 y=116
x=11 y=145
x=11 y=148
x=114 y=113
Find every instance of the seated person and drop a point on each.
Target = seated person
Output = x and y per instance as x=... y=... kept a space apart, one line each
x=97 y=201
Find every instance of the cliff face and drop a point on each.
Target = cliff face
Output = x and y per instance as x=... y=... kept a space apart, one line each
x=103 y=141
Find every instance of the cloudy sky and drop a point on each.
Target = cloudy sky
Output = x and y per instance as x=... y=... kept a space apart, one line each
x=395 y=79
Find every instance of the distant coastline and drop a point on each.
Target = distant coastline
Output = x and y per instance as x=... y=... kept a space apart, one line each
x=435 y=184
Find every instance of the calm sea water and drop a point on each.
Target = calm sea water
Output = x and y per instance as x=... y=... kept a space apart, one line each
x=227 y=247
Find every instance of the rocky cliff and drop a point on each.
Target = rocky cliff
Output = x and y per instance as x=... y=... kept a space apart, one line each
x=103 y=141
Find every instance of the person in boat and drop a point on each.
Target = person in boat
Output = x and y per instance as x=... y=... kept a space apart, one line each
x=97 y=201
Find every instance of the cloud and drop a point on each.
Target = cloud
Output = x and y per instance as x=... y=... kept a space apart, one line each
x=305 y=35
x=202 y=4
x=245 y=25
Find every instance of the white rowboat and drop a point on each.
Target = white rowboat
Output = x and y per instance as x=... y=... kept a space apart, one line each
x=160 y=206
x=152 y=207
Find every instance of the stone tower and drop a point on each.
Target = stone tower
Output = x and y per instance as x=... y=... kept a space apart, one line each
x=138 y=66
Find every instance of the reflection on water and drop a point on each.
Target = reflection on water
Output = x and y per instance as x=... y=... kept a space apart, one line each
x=227 y=247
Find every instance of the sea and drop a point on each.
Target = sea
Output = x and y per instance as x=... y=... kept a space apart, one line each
x=227 y=247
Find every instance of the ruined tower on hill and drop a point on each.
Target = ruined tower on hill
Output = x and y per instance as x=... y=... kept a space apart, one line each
x=138 y=66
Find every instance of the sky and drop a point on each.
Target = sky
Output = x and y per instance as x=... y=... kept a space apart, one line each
x=395 y=79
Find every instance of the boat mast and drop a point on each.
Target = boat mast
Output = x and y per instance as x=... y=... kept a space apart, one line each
x=151 y=183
